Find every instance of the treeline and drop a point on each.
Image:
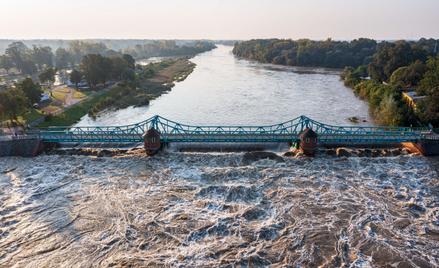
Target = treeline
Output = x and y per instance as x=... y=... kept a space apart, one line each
x=31 y=60
x=170 y=48
x=329 y=53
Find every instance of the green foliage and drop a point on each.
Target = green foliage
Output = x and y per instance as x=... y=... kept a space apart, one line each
x=353 y=77
x=48 y=117
x=428 y=108
x=170 y=48
x=6 y=63
x=96 y=68
x=394 y=56
x=430 y=83
x=149 y=71
x=48 y=75
x=385 y=103
x=75 y=77
x=63 y=58
x=130 y=60
x=305 y=52
x=128 y=74
x=408 y=75
x=31 y=90
x=13 y=103
x=119 y=66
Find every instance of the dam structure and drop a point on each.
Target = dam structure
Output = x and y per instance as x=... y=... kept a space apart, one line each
x=171 y=131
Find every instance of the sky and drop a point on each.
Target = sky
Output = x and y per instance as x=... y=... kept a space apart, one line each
x=219 y=19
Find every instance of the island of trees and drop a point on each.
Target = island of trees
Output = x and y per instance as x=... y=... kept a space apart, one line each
x=377 y=71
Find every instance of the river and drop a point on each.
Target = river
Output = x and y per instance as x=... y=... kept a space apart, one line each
x=194 y=209
x=227 y=90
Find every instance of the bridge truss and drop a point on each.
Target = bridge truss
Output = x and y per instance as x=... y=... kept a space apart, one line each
x=175 y=132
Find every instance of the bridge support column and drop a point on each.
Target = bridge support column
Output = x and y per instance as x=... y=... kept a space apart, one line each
x=308 y=142
x=151 y=141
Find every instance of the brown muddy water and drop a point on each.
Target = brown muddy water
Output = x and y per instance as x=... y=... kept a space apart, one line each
x=216 y=210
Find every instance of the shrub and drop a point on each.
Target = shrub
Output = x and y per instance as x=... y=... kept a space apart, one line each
x=48 y=117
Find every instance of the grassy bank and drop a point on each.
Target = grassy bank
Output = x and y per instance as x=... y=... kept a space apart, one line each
x=128 y=93
x=75 y=113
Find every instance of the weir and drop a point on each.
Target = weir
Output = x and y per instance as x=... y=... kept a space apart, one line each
x=284 y=132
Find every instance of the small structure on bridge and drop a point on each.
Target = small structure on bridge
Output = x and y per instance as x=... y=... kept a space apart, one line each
x=151 y=141
x=308 y=141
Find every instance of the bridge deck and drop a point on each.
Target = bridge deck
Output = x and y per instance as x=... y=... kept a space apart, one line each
x=175 y=132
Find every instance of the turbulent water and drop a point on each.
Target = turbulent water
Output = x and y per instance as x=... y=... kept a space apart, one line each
x=212 y=210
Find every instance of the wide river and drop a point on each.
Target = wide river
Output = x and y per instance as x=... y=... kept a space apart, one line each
x=227 y=90
x=363 y=208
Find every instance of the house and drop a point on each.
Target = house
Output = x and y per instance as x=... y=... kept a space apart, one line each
x=412 y=98
x=82 y=84
x=45 y=97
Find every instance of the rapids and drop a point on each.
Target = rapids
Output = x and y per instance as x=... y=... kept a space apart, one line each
x=212 y=210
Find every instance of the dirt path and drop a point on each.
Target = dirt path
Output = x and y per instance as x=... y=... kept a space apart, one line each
x=69 y=100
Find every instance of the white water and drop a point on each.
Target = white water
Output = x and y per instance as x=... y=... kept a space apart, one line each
x=226 y=90
x=212 y=210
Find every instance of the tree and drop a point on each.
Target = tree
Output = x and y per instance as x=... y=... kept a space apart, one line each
x=32 y=90
x=15 y=55
x=75 y=77
x=128 y=74
x=6 y=63
x=139 y=50
x=408 y=75
x=62 y=58
x=48 y=75
x=119 y=65
x=428 y=108
x=28 y=67
x=149 y=71
x=42 y=55
x=130 y=60
x=430 y=83
x=96 y=69
x=13 y=103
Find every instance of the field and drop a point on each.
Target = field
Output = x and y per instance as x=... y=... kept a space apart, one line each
x=83 y=94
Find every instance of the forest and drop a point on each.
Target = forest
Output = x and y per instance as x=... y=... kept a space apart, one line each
x=377 y=71
x=328 y=53
x=30 y=60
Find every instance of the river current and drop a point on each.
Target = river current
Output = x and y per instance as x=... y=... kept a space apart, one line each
x=344 y=208
x=227 y=90
x=217 y=210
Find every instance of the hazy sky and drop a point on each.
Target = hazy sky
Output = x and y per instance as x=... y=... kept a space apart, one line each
x=214 y=19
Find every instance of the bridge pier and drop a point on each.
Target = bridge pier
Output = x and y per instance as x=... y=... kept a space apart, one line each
x=425 y=148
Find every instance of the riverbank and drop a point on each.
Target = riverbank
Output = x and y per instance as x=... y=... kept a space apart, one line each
x=125 y=94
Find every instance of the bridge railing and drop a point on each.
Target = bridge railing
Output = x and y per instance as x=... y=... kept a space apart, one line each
x=176 y=132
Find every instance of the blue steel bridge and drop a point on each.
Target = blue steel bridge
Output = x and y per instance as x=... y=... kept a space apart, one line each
x=175 y=132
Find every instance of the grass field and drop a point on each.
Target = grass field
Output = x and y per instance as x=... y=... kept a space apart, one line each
x=76 y=112
x=83 y=94
x=64 y=90
x=58 y=96
x=33 y=115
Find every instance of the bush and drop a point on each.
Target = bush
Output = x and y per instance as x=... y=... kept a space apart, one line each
x=48 y=117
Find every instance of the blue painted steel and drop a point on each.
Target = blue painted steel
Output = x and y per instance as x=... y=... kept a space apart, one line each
x=175 y=132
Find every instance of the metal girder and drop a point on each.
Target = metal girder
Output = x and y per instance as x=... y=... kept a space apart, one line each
x=175 y=132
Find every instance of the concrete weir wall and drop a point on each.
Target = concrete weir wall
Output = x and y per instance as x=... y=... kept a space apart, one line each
x=24 y=148
x=428 y=148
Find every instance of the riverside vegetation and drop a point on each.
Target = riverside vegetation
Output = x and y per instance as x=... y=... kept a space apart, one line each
x=94 y=63
x=134 y=90
x=401 y=65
